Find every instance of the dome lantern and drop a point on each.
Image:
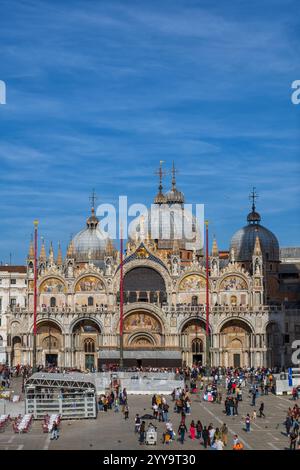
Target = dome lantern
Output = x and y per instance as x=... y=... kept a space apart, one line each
x=174 y=196
x=160 y=198
x=253 y=217
x=89 y=244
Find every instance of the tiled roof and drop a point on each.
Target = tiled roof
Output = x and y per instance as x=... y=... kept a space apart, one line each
x=14 y=269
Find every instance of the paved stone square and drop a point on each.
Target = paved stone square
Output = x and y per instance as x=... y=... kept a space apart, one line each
x=110 y=431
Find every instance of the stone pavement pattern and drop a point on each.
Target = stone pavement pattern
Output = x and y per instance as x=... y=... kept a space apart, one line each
x=110 y=431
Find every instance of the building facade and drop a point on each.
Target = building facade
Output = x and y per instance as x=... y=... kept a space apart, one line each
x=13 y=294
x=252 y=316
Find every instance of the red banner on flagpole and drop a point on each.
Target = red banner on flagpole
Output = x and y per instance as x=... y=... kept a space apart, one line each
x=35 y=278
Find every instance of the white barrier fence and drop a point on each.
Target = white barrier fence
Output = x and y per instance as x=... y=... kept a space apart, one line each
x=139 y=383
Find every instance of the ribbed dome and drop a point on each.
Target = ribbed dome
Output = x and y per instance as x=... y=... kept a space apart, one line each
x=175 y=197
x=243 y=242
x=167 y=224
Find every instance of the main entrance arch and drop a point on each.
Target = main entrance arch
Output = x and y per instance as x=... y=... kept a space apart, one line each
x=143 y=337
x=235 y=343
x=142 y=328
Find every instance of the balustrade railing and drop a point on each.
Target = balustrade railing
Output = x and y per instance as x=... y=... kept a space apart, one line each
x=174 y=308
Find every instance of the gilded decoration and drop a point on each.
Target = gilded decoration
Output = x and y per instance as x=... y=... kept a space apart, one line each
x=141 y=321
x=52 y=286
x=142 y=253
x=233 y=283
x=89 y=284
x=192 y=283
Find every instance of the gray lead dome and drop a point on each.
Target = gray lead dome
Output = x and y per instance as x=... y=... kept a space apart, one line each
x=90 y=243
x=243 y=242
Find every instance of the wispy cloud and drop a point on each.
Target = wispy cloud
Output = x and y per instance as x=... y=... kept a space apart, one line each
x=96 y=97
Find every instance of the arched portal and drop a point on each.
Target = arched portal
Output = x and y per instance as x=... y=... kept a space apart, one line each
x=193 y=342
x=49 y=344
x=144 y=284
x=142 y=341
x=86 y=339
x=139 y=322
x=235 y=343
x=143 y=337
x=274 y=345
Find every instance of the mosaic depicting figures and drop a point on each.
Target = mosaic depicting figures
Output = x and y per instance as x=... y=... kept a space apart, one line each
x=194 y=328
x=52 y=286
x=141 y=321
x=233 y=283
x=192 y=283
x=89 y=284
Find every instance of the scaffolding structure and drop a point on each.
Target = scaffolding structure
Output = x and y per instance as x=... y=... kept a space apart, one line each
x=73 y=396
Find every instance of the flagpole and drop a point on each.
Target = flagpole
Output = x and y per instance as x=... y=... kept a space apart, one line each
x=34 y=365
x=121 y=301
x=207 y=298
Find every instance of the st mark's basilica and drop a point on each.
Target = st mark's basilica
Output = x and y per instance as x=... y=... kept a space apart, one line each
x=253 y=291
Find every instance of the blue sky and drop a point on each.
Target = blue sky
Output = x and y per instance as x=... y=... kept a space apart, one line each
x=98 y=92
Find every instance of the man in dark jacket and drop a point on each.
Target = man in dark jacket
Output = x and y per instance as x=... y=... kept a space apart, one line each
x=181 y=431
x=205 y=437
x=261 y=410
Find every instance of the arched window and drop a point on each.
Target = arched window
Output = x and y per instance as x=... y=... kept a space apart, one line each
x=53 y=302
x=1 y=341
x=195 y=300
x=90 y=301
x=89 y=345
x=197 y=346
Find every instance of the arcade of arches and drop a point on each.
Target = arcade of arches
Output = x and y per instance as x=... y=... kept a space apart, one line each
x=235 y=343
x=77 y=349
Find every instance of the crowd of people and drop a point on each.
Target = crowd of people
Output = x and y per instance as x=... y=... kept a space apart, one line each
x=292 y=426
x=206 y=434
x=228 y=388
x=115 y=400
x=224 y=387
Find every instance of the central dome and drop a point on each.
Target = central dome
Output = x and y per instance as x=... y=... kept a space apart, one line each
x=165 y=224
x=90 y=243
